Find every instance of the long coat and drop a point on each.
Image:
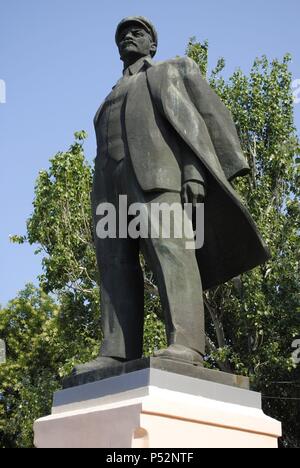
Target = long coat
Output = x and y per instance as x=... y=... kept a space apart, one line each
x=171 y=103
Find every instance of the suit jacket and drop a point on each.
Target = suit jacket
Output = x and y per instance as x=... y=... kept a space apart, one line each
x=161 y=160
x=175 y=124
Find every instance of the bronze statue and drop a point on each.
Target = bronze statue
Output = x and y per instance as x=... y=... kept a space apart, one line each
x=163 y=135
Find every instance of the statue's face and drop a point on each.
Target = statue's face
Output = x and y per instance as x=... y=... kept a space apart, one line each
x=135 y=42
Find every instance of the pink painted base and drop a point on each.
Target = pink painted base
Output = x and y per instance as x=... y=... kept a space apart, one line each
x=160 y=419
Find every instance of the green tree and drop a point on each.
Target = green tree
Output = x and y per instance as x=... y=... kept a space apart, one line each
x=253 y=320
x=43 y=341
x=61 y=227
x=27 y=379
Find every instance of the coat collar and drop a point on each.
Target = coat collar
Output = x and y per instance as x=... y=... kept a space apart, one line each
x=139 y=65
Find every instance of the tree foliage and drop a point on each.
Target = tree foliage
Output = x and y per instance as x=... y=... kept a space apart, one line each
x=44 y=339
x=251 y=321
x=254 y=319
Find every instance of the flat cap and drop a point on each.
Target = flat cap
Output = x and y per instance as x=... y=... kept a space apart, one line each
x=138 y=20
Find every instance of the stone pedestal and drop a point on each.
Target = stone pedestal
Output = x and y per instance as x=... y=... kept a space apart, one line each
x=156 y=408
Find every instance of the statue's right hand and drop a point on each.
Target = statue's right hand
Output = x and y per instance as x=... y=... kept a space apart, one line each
x=193 y=192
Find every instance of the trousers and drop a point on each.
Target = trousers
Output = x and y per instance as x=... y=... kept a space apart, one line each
x=174 y=267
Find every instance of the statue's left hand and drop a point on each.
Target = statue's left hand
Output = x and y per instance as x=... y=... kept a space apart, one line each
x=193 y=192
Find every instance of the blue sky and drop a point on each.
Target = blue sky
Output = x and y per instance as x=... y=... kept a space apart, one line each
x=58 y=60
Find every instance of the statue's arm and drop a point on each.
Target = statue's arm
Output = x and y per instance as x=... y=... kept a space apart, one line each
x=193 y=178
x=217 y=117
x=96 y=118
x=192 y=169
x=194 y=182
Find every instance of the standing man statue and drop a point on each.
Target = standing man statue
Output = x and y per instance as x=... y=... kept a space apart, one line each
x=164 y=136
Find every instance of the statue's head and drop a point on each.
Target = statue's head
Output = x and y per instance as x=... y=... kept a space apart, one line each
x=136 y=37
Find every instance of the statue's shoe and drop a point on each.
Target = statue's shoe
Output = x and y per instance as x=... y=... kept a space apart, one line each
x=180 y=353
x=101 y=362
